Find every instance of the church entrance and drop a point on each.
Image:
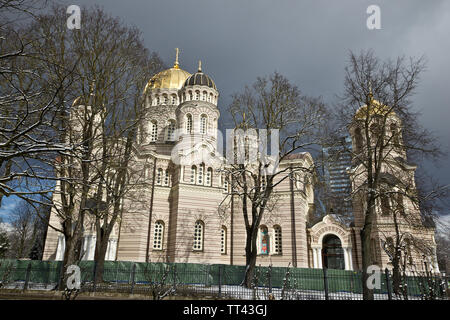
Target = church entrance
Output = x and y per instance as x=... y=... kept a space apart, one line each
x=332 y=253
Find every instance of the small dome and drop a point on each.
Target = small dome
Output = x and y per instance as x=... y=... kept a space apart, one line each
x=200 y=79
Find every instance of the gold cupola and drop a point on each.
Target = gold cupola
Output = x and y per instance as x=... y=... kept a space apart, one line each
x=172 y=78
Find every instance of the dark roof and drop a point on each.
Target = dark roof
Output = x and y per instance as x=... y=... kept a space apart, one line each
x=200 y=79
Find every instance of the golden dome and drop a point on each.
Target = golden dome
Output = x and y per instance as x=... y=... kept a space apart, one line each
x=376 y=109
x=172 y=78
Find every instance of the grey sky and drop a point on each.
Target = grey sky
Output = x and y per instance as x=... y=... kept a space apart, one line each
x=307 y=41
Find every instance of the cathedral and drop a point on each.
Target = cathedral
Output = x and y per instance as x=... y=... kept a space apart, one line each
x=187 y=213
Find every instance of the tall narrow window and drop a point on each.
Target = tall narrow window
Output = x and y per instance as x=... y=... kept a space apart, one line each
x=157 y=100
x=204 y=95
x=158 y=235
x=159 y=176
x=174 y=99
x=277 y=246
x=225 y=184
x=263 y=182
x=166 y=177
x=385 y=206
x=197 y=95
x=201 y=170
x=208 y=176
x=394 y=133
x=359 y=141
x=188 y=123
x=203 y=123
x=190 y=95
x=193 y=174
x=223 y=240
x=400 y=207
x=264 y=240
x=198 y=236
x=166 y=99
x=171 y=130
x=153 y=131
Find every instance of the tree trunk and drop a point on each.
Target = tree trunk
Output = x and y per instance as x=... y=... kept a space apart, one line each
x=100 y=260
x=366 y=248
x=250 y=258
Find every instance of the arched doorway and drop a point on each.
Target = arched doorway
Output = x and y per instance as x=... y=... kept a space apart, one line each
x=332 y=252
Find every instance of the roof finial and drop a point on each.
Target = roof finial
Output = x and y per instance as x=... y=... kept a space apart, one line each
x=176 y=65
x=199 y=65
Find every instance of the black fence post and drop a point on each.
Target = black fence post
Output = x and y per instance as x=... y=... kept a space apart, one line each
x=174 y=276
x=220 y=281
x=94 y=277
x=270 y=279
x=27 y=277
x=325 y=283
x=133 y=274
x=60 y=277
x=388 y=284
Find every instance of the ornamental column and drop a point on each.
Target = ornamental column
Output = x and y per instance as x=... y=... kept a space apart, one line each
x=314 y=257
x=346 y=258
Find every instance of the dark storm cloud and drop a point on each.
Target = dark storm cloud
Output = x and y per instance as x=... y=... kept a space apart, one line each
x=307 y=41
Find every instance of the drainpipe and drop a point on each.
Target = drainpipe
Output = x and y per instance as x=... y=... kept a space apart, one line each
x=150 y=211
x=293 y=235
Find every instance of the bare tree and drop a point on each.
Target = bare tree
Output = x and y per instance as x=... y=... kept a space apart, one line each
x=271 y=103
x=4 y=241
x=111 y=67
x=377 y=110
x=28 y=104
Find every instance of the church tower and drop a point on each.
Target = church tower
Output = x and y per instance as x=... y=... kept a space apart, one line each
x=397 y=221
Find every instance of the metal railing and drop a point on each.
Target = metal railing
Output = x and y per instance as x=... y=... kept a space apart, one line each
x=200 y=281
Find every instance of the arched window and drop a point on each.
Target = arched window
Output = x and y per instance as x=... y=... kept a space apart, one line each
x=190 y=95
x=174 y=99
x=193 y=174
x=157 y=100
x=204 y=95
x=166 y=177
x=158 y=236
x=201 y=171
x=197 y=95
x=188 y=123
x=203 y=123
x=208 y=176
x=210 y=98
x=263 y=182
x=389 y=247
x=400 y=205
x=159 y=176
x=171 y=131
x=223 y=240
x=166 y=99
x=198 y=236
x=385 y=205
x=225 y=184
x=394 y=132
x=153 y=131
x=277 y=245
x=332 y=253
x=264 y=247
